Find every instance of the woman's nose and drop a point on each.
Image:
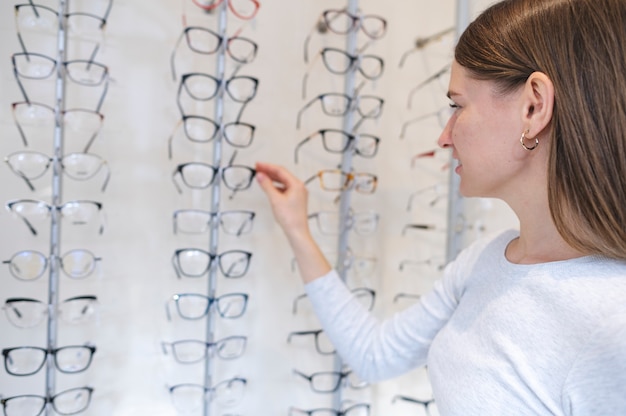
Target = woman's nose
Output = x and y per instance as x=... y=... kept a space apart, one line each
x=445 y=138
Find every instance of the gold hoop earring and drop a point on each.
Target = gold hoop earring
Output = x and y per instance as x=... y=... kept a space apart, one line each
x=521 y=140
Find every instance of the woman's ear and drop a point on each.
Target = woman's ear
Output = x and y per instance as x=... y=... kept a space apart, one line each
x=538 y=99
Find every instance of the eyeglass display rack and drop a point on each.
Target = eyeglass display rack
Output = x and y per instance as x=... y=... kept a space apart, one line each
x=220 y=9
x=215 y=203
x=54 y=259
x=344 y=198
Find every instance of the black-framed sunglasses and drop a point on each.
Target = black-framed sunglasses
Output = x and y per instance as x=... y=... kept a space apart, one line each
x=66 y=402
x=340 y=62
x=200 y=129
x=338 y=105
x=200 y=86
x=342 y=22
x=194 y=306
x=196 y=262
x=207 y=42
x=200 y=175
x=358 y=409
x=27 y=360
x=330 y=381
x=339 y=141
x=322 y=343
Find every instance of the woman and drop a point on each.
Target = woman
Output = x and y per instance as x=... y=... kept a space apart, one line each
x=529 y=322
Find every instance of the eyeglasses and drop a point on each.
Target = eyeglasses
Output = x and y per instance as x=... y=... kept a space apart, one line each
x=340 y=62
x=30 y=264
x=421 y=42
x=359 y=409
x=67 y=402
x=322 y=343
x=364 y=295
x=195 y=221
x=205 y=41
x=28 y=312
x=362 y=266
x=339 y=141
x=336 y=104
x=77 y=122
x=30 y=165
x=26 y=361
x=37 y=66
x=78 y=212
x=191 y=351
x=204 y=87
x=418 y=226
x=403 y=295
x=437 y=261
x=442 y=115
x=431 y=194
x=194 y=262
x=425 y=403
x=32 y=15
x=336 y=180
x=200 y=129
x=36 y=18
x=192 y=306
x=363 y=223
x=330 y=381
x=199 y=175
x=189 y=397
x=243 y=9
x=343 y=22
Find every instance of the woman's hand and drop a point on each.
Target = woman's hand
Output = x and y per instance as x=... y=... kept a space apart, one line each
x=288 y=198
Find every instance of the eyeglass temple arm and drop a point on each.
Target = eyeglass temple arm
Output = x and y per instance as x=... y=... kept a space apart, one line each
x=418 y=226
x=298 y=146
x=107 y=177
x=413 y=121
x=28 y=224
x=19 y=83
x=21 y=175
x=173 y=54
x=32 y=5
x=19 y=127
x=179 y=169
x=101 y=100
x=426 y=82
x=303 y=109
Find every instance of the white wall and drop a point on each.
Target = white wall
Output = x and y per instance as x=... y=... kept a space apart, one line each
x=135 y=277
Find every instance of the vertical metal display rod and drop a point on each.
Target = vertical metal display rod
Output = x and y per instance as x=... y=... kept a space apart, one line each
x=456 y=225
x=346 y=166
x=55 y=215
x=215 y=195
